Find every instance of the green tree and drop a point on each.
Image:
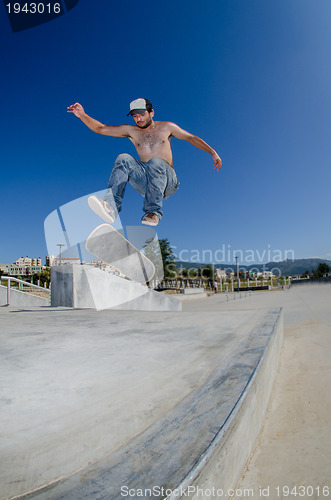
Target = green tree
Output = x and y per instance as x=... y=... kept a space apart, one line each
x=193 y=273
x=45 y=276
x=184 y=272
x=207 y=272
x=152 y=251
x=322 y=270
x=161 y=254
x=168 y=258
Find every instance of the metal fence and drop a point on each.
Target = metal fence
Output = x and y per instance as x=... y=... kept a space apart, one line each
x=23 y=286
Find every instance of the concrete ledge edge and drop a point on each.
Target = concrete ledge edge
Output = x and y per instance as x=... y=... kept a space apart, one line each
x=221 y=443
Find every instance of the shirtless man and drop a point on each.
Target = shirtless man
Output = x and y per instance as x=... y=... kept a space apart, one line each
x=153 y=175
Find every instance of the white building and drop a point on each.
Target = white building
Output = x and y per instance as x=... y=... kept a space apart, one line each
x=26 y=261
x=221 y=274
x=264 y=274
x=51 y=260
x=24 y=266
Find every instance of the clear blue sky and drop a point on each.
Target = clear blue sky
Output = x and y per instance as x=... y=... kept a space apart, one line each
x=251 y=77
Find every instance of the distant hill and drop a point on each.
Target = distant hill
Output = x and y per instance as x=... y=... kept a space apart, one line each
x=286 y=267
x=296 y=266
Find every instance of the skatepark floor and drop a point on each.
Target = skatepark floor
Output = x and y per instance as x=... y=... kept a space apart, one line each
x=293 y=448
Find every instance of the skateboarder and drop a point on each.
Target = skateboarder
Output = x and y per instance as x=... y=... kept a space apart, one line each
x=153 y=175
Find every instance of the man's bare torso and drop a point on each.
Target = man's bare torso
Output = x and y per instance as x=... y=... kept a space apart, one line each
x=152 y=142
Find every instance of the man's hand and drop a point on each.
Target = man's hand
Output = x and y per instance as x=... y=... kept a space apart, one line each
x=179 y=133
x=217 y=160
x=77 y=109
x=96 y=126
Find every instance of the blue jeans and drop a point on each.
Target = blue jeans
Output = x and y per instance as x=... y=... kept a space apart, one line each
x=154 y=179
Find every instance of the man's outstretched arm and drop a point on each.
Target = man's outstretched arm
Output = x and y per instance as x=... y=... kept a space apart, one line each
x=98 y=127
x=179 y=133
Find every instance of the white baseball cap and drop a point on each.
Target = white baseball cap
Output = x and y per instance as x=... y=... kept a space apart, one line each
x=138 y=106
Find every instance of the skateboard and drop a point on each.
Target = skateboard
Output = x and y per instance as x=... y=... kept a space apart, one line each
x=110 y=246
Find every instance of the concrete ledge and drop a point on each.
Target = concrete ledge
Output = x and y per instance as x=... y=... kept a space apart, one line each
x=192 y=291
x=312 y=281
x=186 y=297
x=87 y=287
x=203 y=442
x=221 y=466
x=21 y=299
x=252 y=288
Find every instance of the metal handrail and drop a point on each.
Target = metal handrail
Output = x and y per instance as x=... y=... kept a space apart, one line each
x=32 y=285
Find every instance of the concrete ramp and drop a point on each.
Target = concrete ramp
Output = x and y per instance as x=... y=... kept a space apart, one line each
x=21 y=299
x=106 y=405
x=87 y=287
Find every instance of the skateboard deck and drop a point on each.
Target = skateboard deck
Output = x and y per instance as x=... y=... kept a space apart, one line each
x=109 y=245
